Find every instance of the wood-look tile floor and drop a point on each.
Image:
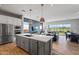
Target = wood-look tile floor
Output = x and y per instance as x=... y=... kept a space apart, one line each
x=11 y=49
x=65 y=47
x=62 y=47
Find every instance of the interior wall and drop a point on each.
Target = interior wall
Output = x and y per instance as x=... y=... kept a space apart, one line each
x=74 y=24
x=34 y=24
x=10 y=20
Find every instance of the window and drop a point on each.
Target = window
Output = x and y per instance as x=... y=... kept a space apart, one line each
x=61 y=28
x=40 y=27
x=25 y=26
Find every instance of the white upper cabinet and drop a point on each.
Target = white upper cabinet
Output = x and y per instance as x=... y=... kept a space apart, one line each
x=17 y=22
x=3 y=19
x=10 y=20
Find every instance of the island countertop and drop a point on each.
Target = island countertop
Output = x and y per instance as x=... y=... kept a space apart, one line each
x=42 y=38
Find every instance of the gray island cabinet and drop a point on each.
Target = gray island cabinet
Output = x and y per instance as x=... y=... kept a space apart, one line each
x=36 y=45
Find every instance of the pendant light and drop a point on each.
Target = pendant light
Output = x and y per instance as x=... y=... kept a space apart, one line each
x=42 y=18
x=30 y=20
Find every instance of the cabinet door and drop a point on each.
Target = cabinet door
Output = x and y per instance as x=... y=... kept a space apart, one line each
x=10 y=29
x=4 y=33
x=0 y=32
x=41 y=48
x=22 y=42
x=10 y=38
x=44 y=48
x=33 y=47
x=0 y=29
x=11 y=32
x=18 y=41
x=4 y=29
x=26 y=44
x=47 y=48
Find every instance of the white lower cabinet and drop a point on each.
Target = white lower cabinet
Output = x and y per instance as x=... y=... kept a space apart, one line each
x=22 y=43
x=18 y=41
x=41 y=48
x=33 y=46
x=26 y=44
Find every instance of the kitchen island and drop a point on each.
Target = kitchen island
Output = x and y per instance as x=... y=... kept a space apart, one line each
x=35 y=44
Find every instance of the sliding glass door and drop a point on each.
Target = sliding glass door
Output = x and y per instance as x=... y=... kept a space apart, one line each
x=61 y=28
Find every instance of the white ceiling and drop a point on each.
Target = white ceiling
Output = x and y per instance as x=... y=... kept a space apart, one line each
x=51 y=13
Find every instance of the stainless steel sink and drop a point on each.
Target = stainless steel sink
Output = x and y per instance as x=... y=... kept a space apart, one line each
x=28 y=35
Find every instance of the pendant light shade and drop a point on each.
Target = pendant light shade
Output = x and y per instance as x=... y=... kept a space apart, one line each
x=42 y=20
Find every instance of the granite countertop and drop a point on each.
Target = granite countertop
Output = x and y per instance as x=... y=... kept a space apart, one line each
x=42 y=38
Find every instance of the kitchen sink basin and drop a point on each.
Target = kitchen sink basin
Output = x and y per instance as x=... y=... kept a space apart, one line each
x=28 y=35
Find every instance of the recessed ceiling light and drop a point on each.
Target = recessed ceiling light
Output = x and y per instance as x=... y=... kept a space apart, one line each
x=51 y=5
x=78 y=12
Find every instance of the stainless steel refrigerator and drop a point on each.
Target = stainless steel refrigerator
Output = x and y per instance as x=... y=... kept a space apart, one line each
x=6 y=33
